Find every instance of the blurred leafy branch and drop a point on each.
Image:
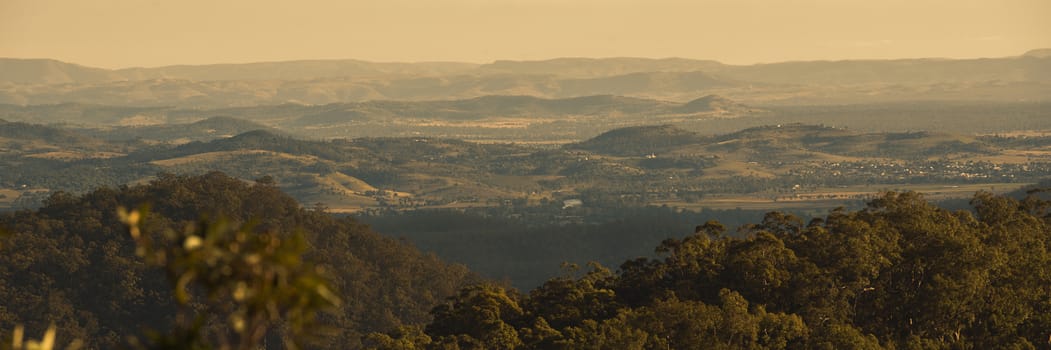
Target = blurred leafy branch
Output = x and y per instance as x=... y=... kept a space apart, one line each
x=232 y=285
x=18 y=341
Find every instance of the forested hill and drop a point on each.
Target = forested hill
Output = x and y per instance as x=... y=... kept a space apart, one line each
x=898 y=274
x=73 y=263
x=36 y=132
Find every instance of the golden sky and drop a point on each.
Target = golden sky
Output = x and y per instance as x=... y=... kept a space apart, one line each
x=125 y=33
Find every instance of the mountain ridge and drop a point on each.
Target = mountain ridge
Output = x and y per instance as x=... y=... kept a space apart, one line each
x=19 y=70
x=1038 y=53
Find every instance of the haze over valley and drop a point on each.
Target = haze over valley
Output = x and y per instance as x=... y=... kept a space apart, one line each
x=463 y=174
x=366 y=138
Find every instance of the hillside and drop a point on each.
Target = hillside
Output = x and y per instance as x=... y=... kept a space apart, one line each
x=47 y=134
x=73 y=254
x=639 y=140
x=713 y=103
x=614 y=181
x=786 y=141
x=18 y=139
x=496 y=117
x=841 y=142
x=647 y=84
x=352 y=175
x=1038 y=53
x=518 y=118
x=899 y=273
x=47 y=71
x=491 y=106
x=765 y=283
x=202 y=130
x=86 y=114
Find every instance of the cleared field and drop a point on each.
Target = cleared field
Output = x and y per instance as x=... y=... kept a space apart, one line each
x=1020 y=133
x=824 y=198
x=74 y=155
x=347 y=183
x=932 y=191
x=755 y=203
x=223 y=155
x=8 y=196
x=538 y=143
x=733 y=168
x=337 y=203
x=1017 y=157
x=521 y=181
x=204 y=157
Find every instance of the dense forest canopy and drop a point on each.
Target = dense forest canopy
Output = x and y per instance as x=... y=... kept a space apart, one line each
x=899 y=273
x=73 y=263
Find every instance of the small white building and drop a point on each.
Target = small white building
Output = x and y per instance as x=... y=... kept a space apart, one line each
x=572 y=203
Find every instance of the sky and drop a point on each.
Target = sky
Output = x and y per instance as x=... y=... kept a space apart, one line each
x=147 y=33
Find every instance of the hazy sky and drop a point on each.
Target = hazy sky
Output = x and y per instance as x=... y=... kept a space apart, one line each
x=123 y=33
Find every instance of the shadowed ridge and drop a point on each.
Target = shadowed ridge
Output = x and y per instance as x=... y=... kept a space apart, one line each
x=710 y=103
x=49 y=71
x=1038 y=53
x=638 y=140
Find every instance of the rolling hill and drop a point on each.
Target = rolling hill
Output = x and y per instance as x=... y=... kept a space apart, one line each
x=202 y=130
x=499 y=117
x=48 y=71
x=640 y=140
x=412 y=172
x=773 y=141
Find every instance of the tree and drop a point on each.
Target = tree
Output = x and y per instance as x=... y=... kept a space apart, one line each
x=76 y=265
x=482 y=316
x=567 y=301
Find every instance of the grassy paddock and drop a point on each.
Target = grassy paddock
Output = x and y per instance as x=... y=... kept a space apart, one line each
x=831 y=197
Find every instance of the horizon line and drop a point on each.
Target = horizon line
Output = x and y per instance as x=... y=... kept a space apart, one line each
x=482 y=63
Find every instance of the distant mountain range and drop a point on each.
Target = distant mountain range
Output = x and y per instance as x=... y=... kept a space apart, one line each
x=1038 y=53
x=1024 y=68
x=45 y=81
x=48 y=71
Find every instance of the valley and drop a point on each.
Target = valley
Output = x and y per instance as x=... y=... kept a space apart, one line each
x=514 y=167
x=766 y=167
x=355 y=136
x=525 y=175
